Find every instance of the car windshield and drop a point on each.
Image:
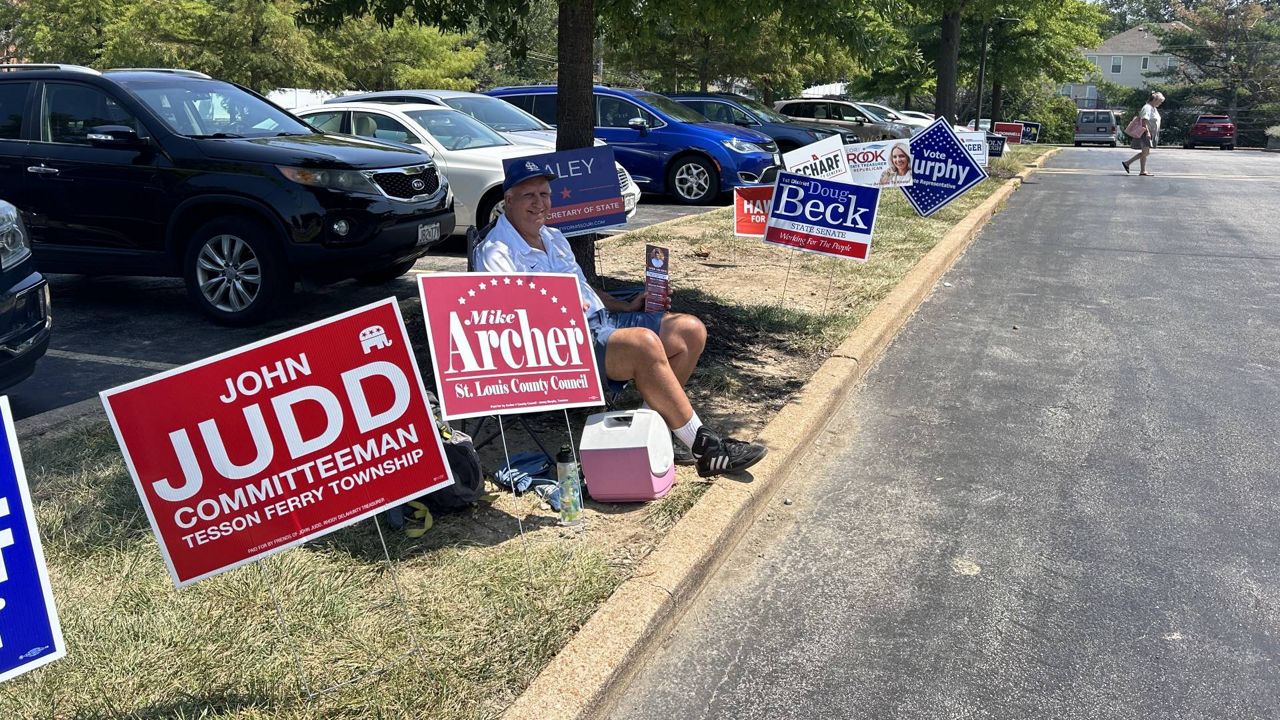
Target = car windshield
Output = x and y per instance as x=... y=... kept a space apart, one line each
x=497 y=114
x=672 y=108
x=871 y=114
x=456 y=130
x=762 y=111
x=197 y=107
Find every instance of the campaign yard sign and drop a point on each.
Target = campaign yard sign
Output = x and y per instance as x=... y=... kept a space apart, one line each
x=586 y=196
x=975 y=143
x=751 y=210
x=1030 y=131
x=823 y=216
x=880 y=164
x=1012 y=131
x=995 y=145
x=509 y=343
x=825 y=159
x=30 y=634
x=256 y=450
x=943 y=169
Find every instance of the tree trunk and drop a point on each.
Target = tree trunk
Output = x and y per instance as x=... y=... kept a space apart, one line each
x=997 y=102
x=575 y=111
x=704 y=66
x=948 y=60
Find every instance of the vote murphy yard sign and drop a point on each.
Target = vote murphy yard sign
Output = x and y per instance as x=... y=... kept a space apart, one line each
x=823 y=216
x=30 y=635
x=586 y=195
x=942 y=169
x=261 y=448
x=508 y=343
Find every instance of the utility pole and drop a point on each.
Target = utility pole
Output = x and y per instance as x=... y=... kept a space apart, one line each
x=982 y=64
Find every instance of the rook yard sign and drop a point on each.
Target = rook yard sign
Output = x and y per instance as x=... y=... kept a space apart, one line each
x=943 y=169
x=509 y=343
x=30 y=635
x=823 y=216
x=261 y=448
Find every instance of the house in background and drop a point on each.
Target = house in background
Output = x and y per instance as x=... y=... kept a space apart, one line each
x=1126 y=59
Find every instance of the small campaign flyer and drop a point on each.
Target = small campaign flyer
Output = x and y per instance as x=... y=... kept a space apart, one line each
x=657 y=278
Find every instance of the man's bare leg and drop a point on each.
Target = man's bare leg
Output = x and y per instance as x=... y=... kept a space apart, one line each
x=684 y=337
x=637 y=354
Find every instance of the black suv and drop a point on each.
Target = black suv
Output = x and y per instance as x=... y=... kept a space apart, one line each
x=172 y=173
x=24 y=302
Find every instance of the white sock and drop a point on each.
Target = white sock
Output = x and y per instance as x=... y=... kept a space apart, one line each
x=689 y=432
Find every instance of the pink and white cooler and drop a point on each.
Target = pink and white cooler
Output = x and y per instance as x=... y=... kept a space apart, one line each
x=626 y=456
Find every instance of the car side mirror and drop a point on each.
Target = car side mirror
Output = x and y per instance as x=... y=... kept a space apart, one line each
x=114 y=136
x=639 y=124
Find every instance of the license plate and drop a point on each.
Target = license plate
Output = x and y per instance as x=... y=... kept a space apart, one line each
x=1104 y=131
x=428 y=232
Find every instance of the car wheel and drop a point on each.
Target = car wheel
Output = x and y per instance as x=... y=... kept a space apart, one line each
x=1114 y=144
x=1190 y=146
x=491 y=206
x=1231 y=147
x=235 y=271
x=693 y=180
x=1078 y=144
x=386 y=275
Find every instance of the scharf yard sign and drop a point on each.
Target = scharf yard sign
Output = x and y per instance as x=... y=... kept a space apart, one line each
x=823 y=216
x=30 y=635
x=822 y=159
x=256 y=450
x=508 y=343
x=586 y=195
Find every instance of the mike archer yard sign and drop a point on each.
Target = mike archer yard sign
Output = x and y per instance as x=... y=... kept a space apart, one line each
x=259 y=449
x=509 y=343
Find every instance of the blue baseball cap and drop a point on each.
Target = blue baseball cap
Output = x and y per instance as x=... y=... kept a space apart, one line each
x=521 y=171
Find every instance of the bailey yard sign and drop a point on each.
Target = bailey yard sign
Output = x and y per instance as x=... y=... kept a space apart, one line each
x=508 y=343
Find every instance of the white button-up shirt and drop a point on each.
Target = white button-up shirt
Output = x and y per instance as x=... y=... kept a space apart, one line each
x=503 y=250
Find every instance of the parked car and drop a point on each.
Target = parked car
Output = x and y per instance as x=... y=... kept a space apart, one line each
x=664 y=145
x=172 y=173
x=467 y=151
x=918 y=115
x=886 y=113
x=1212 y=130
x=843 y=114
x=740 y=110
x=1097 y=126
x=510 y=121
x=25 y=320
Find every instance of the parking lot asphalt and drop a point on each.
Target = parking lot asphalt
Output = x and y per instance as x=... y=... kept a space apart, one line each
x=113 y=330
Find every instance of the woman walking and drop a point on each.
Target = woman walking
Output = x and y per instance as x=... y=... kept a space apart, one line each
x=1150 y=135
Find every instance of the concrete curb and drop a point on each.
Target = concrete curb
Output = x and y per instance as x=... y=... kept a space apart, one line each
x=584 y=679
x=84 y=412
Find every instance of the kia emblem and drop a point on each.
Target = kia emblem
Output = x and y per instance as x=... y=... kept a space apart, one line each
x=418 y=184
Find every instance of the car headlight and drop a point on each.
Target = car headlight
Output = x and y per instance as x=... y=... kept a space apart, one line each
x=347 y=180
x=15 y=246
x=742 y=146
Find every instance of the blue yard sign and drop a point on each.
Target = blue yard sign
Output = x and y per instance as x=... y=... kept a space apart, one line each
x=941 y=168
x=30 y=635
x=829 y=217
x=586 y=196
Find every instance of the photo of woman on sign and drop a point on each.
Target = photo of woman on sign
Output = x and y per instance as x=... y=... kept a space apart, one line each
x=899 y=170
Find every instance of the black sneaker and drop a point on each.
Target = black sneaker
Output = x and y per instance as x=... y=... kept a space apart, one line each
x=718 y=456
x=683 y=455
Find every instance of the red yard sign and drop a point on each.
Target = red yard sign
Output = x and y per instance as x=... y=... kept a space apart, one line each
x=508 y=343
x=261 y=448
x=751 y=210
x=1011 y=131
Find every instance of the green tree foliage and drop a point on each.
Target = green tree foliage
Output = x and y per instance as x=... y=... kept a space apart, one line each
x=1127 y=14
x=1228 y=53
x=258 y=43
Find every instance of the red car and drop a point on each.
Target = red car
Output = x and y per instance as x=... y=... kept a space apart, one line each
x=1212 y=130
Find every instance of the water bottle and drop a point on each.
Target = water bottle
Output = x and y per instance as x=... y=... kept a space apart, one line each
x=570 y=487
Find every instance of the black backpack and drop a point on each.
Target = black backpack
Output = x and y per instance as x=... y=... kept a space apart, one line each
x=464 y=463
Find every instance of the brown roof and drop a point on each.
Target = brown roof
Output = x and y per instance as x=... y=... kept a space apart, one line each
x=1136 y=41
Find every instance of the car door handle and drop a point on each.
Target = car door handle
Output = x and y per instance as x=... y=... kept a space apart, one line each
x=42 y=170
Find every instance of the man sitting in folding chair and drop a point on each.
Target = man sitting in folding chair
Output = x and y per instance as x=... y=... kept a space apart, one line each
x=657 y=350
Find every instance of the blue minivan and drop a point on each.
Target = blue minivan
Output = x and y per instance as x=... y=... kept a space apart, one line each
x=666 y=146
